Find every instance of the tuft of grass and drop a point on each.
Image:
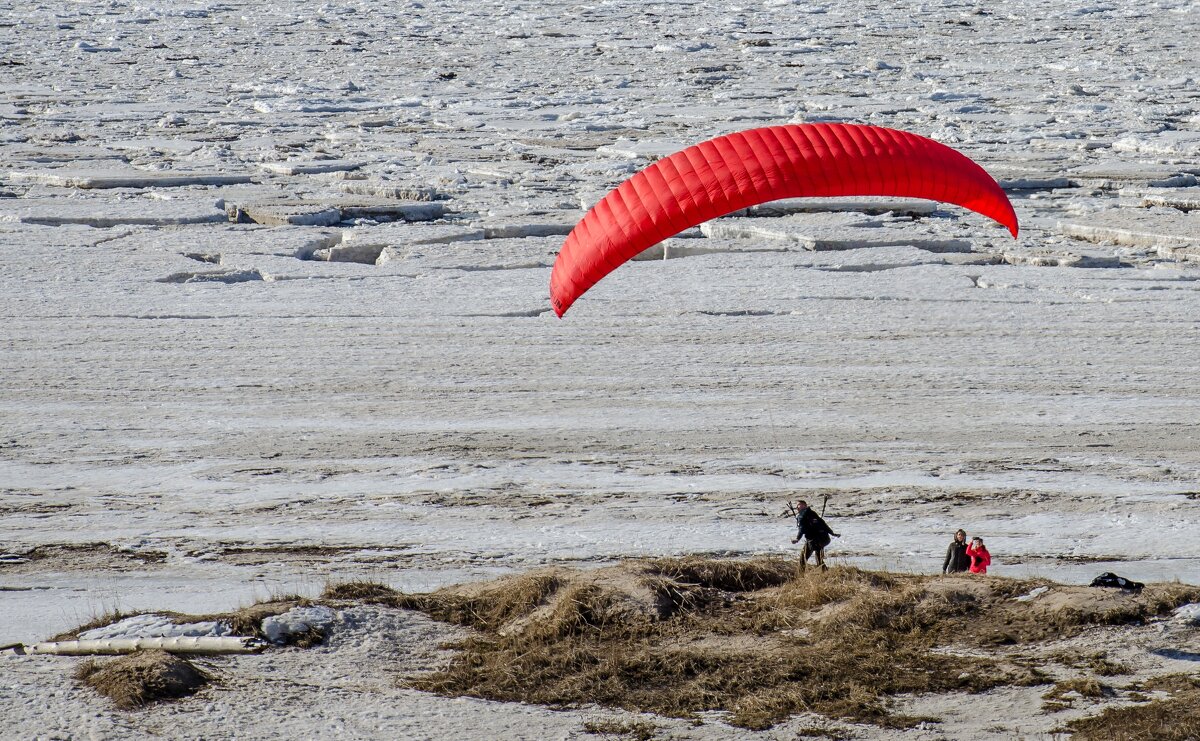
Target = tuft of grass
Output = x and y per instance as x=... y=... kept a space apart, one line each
x=490 y=607
x=1172 y=683
x=1176 y=718
x=833 y=734
x=1097 y=663
x=142 y=678
x=365 y=592
x=726 y=575
x=815 y=589
x=623 y=730
x=1059 y=697
x=1105 y=668
x=247 y=621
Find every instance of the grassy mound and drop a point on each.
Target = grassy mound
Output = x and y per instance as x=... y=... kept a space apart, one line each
x=755 y=638
x=141 y=678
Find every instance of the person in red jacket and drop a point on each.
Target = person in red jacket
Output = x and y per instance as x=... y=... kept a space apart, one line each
x=980 y=558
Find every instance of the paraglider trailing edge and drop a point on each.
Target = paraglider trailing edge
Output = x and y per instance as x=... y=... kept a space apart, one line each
x=745 y=168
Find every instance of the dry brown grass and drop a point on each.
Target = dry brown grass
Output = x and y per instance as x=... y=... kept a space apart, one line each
x=362 y=592
x=248 y=620
x=621 y=730
x=141 y=678
x=1174 y=719
x=756 y=638
x=1097 y=663
x=488 y=607
x=728 y=576
x=833 y=734
x=1063 y=694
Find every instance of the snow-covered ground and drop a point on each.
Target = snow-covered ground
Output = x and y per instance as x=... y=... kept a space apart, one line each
x=193 y=416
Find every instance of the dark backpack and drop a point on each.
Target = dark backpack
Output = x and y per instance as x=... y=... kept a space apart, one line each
x=1109 y=579
x=813 y=528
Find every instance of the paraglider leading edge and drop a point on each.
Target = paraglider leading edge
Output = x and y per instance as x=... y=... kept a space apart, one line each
x=745 y=168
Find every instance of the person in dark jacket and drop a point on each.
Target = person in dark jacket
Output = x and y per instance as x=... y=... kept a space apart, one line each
x=957 y=560
x=815 y=532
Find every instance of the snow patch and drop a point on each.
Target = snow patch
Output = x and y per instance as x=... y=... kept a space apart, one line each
x=156 y=626
x=298 y=621
x=1189 y=614
x=1033 y=594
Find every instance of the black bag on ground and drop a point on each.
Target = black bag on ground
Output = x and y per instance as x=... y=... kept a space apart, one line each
x=1109 y=579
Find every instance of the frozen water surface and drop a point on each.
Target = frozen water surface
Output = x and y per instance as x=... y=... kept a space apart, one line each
x=195 y=412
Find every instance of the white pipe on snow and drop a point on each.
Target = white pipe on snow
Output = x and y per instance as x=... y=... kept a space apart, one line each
x=175 y=645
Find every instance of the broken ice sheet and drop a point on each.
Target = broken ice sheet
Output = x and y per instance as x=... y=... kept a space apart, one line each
x=1116 y=175
x=52 y=211
x=838 y=231
x=216 y=276
x=311 y=167
x=481 y=255
x=126 y=178
x=1151 y=227
x=400 y=235
x=1184 y=199
x=1173 y=143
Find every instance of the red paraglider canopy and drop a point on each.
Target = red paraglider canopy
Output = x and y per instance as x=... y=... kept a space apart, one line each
x=745 y=168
